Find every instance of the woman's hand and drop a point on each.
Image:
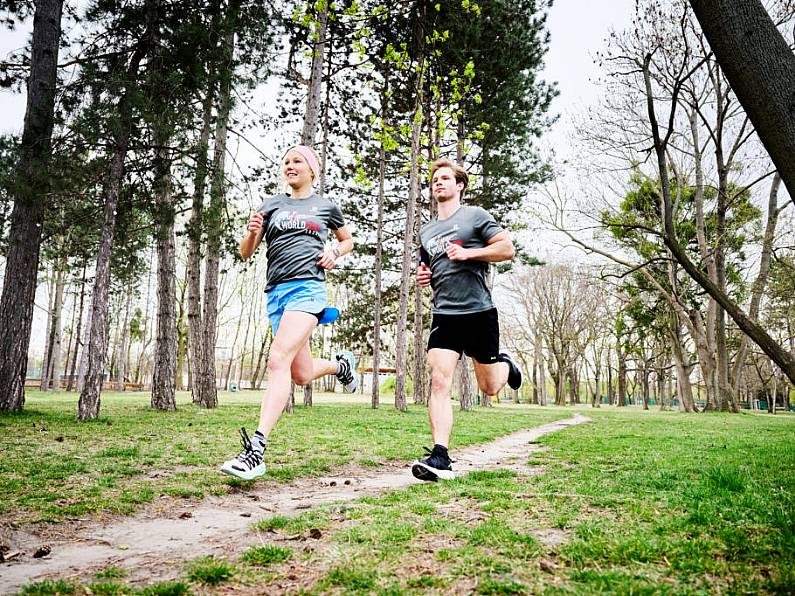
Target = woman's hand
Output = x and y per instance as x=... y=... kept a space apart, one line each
x=327 y=259
x=255 y=222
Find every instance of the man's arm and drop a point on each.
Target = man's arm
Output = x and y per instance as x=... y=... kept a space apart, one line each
x=498 y=248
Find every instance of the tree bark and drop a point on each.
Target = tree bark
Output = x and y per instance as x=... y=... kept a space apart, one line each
x=51 y=366
x=464 y=382
x=401 y=353
x=31 y=192
x=195 y=228
x=622 y=378
x=760 y=66
x=419 y=329
x=72 y=381
x=207 y=377
x=316 y=78
x=89 y=403
x=379 y=257
x=164 y=375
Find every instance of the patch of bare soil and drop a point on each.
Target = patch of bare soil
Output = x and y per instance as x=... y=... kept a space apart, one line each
x=154 y=544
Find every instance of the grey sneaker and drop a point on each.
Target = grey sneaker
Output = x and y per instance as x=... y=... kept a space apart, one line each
x=247 y=464
x=346 y=371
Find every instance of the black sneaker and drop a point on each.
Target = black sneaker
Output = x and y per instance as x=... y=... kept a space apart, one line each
x=437 y=465
x=248 y=463
x=514 y=374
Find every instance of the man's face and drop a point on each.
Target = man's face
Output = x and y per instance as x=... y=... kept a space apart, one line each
x=444 y=185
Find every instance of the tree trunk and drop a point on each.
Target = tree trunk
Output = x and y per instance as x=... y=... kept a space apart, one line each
x=121 y=359
x=207 y=379
x=419 y=328
x=195 y=228
x=316 y=78
x=758 y=288
x=164 y=376
x=401 y=354
x=256 y=379
x=768 y=345
x=760 y=66
x=72 y=381
x=685 y=389
x=31 y=198
x=622 y=378
x=44 y=380
x=182 y=335
x=88 y=405
x=51 y=367
x=379 y=257
x=611 y=390
x=464 y=382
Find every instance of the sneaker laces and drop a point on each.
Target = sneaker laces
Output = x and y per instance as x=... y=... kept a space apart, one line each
x=430 y=452
x=248 y=456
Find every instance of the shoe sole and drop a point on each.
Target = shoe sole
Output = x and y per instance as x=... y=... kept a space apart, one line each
x=426 y=473
x=250 y=475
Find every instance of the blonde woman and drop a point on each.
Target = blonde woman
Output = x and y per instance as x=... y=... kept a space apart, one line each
x=295 y=228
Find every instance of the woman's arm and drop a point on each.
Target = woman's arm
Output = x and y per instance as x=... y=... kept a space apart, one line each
x=328 y=259
x=253 y=236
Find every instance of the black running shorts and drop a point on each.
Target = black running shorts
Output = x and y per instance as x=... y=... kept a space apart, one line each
x=476 y=334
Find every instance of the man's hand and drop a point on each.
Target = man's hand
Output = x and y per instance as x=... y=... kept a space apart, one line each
x=327 y=259
x=423 y=275
x=255 y=222
x=456 y=252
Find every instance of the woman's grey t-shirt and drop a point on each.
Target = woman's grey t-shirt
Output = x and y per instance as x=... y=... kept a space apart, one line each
x=296 y=231
x=459 y=287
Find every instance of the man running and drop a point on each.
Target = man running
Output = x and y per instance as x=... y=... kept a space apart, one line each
x=456 y=249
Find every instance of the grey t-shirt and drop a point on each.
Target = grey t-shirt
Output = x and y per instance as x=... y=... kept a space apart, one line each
x=459 y=287
x=296 y=231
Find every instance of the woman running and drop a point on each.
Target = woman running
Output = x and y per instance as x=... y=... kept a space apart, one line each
x=295 y=227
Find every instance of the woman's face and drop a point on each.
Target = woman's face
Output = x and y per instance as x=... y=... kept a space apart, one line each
x=296 y=170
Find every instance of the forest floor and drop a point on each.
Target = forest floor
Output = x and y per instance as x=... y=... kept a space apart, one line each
x=633 y=502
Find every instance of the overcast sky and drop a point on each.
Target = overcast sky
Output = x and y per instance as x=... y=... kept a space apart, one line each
x=578 y=29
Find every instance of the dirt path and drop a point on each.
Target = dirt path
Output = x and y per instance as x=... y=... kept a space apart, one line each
x=153 y=544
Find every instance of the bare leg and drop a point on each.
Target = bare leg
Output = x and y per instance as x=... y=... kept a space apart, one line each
x=491 y=377
x=440 y=408
x=294 y=332
x=306 y=369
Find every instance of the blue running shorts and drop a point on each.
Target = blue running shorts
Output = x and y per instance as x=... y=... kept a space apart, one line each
x=302 y=295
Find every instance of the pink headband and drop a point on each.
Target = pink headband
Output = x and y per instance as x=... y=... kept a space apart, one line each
x=309 y=156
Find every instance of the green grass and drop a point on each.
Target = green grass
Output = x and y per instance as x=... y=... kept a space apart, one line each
x=210 y=571
x=54 y=467
x=262 y=556
x=645 y=503
x=648 y=503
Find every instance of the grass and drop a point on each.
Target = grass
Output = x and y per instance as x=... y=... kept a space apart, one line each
x=646 y=503
x=641 y=503
x=54 y=467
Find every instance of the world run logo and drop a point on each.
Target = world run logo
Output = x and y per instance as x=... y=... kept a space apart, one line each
x=439 y=243
x=292 y=220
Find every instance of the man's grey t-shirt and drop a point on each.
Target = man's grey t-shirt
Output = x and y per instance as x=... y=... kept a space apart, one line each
x=296 y=231
x=459 y=287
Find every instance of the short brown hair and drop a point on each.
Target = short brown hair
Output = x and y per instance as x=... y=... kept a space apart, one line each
x=459 y=172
